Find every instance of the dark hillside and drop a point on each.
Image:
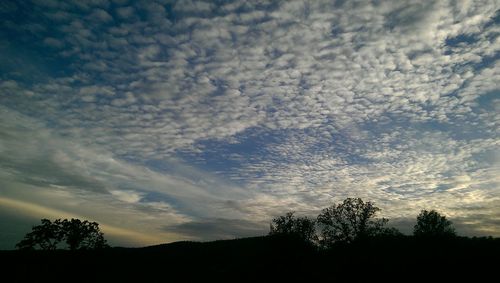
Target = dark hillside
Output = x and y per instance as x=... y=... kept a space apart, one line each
x=263 y=259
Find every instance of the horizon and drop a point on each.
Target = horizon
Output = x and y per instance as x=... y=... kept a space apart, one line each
x=202 y=120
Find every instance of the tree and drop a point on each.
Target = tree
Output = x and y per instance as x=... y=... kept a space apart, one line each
x=45 y=236
x=349 y=221
x=82 y=234
x=289 y=225
x=75 y=233
x=431 y=224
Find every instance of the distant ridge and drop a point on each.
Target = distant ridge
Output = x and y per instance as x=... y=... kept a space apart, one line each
x=262 y=259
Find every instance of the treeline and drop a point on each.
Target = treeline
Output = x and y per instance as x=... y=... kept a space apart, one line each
x=346 y=242
x=351 y=221
x=355 y=220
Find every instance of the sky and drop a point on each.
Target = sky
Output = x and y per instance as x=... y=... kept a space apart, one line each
x=202 y=120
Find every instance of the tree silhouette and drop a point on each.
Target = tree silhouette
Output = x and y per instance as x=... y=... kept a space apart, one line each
x=82 y=234
x=75 y=233
x=351 y=220
x=45 y=236
x=301 y=227
x=431 y=224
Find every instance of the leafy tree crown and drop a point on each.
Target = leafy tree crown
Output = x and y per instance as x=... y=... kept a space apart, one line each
x=433 y=224
x=301 y=227
x=74 y=233
x=348 y=221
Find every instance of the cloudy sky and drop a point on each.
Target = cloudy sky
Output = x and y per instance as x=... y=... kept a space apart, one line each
x=202 y=120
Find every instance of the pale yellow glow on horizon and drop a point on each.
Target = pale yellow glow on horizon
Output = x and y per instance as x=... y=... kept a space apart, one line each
x=126 y=235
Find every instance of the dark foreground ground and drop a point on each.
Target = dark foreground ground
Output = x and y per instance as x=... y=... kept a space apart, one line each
x=265 y=259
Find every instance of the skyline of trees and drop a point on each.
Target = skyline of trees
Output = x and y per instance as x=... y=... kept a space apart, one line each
x=349 y=221
x=354 y=220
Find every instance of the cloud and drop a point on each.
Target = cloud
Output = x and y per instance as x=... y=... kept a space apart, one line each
x=127 y=196
x=125 y=12
x=62 y=175
x=52 y=42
